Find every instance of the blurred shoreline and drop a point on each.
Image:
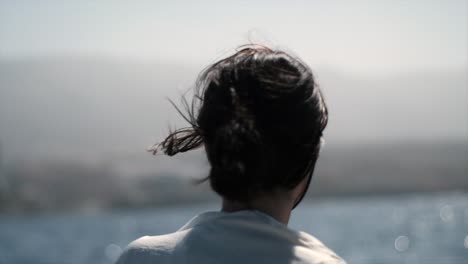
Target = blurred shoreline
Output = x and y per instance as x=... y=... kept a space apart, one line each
x=354 y=170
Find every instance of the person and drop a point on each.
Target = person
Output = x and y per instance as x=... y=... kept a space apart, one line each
x=260 y=116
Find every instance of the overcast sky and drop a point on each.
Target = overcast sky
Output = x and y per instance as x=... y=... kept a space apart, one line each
x=354 y=36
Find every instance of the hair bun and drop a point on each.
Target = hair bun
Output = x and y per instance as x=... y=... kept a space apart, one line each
x=236 y=147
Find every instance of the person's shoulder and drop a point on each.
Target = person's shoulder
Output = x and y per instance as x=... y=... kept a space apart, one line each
x=147 y=249
x=311 y=248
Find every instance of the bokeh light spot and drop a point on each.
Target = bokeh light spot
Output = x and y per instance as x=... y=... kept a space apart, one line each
x=113 y=251
x=446 y=213
x=402 y=243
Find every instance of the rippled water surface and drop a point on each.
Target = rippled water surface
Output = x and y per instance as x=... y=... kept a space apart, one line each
x=411 y=228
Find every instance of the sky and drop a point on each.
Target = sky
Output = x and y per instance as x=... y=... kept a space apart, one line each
x=365 y=37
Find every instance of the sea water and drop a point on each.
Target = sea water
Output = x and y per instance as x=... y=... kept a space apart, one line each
x=410 y=228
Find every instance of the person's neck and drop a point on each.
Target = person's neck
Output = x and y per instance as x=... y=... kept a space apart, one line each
x=273 y=205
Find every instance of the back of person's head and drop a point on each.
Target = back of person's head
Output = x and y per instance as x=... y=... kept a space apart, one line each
x=260 y=116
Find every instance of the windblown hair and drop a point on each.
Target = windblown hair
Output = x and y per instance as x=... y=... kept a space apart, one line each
x=260 y=116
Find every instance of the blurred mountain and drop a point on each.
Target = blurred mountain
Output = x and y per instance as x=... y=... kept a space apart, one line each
x=77 y=107
x=82 y=107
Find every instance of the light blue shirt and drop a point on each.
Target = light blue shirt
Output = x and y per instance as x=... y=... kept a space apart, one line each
x=238 y=237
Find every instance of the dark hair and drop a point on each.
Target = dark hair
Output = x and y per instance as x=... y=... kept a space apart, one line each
x=260 y=116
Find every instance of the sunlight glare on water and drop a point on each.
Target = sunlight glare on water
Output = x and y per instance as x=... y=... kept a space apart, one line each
x=408 y=229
